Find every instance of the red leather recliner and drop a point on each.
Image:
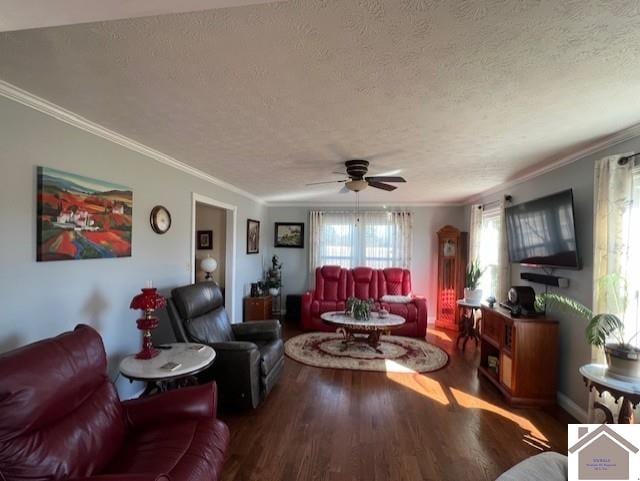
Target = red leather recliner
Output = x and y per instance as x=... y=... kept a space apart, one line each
x=60 y=418
x=334 y=285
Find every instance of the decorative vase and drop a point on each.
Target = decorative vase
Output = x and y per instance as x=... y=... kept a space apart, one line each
x=472 y=296
x=622 y=362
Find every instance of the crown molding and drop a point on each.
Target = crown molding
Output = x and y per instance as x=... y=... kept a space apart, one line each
x=593 y=148
x=49 y=108
x=351 y=205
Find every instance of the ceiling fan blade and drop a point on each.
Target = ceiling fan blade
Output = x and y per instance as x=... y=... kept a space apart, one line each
x=381 y=185
x=344 y=190
x=384 y=178
x=329 y=182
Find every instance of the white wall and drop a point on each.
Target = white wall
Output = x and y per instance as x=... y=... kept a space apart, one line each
x=574 y=350
x=214 y=219
x=424 y=270
x=41 y=299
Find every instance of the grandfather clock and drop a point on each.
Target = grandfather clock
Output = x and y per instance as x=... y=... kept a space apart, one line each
x=452 y=266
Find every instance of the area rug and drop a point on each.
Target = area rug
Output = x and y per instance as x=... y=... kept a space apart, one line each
x=399 y=354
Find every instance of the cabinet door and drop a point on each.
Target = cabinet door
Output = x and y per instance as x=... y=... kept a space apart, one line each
x=506 y=371
x=492 y=326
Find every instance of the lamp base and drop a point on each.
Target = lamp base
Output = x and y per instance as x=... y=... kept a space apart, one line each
x=147 y=353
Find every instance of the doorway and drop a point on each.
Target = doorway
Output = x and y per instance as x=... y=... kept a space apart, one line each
x=213 y=235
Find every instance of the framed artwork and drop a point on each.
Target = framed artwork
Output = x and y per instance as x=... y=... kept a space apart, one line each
x=253 y=236
x=81 y=218
x=289 y=234
x=205 y=239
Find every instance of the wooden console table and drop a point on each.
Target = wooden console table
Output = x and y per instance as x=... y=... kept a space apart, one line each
x=524 y=356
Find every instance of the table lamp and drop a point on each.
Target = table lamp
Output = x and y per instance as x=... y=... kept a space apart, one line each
x=148 y=301
x=208 y=265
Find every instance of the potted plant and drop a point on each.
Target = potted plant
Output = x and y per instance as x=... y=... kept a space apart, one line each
x=273 y=284
x=604 y=330
x=360 y=309
x=273 y=281
x=472 y=294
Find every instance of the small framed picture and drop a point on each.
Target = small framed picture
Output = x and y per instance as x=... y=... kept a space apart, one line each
x=289 y=234
x=253 y=236
x=205 y=239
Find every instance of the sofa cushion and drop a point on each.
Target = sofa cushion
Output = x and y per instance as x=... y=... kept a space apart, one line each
x=331 y=283
x=364 y=283
x=189 y=449
x=270 y=353
x=394 y=281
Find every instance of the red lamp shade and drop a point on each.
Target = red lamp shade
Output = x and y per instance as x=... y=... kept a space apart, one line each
x=148 y=301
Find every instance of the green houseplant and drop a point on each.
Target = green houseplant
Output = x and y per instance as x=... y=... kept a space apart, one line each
x=360 y=309
x=604 y=330
x=471 y=292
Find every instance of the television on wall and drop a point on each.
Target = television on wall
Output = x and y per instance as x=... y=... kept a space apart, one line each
x=542 y=233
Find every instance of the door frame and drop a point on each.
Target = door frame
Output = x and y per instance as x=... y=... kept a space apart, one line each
x=230 y=247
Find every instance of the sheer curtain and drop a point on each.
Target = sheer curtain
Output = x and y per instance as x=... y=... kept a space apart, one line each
x=378 y=239
x=616 y=256
x=475 y=231
x=488 y=244
x=387 y=239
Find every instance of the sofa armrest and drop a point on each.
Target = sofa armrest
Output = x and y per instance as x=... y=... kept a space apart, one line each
x=189 y=402
x=421 y=306
x=305 y=309
x=124 y=477
x=257 y=331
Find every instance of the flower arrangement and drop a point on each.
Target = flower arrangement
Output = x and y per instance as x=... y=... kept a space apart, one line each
x=360 y=309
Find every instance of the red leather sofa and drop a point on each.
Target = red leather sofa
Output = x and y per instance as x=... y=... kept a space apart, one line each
x=334 y=285
x=60 y=418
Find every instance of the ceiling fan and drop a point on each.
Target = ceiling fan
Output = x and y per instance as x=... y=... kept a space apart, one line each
x=357 y=179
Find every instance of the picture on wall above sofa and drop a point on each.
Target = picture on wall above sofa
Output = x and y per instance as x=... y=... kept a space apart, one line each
x=82 y=218
x=289 y=234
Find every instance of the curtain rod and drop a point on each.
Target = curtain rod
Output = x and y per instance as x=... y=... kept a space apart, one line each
x=627 y=158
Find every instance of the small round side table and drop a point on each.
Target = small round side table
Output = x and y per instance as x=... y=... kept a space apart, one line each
x=469 y=329
x=175 y=366
x=596 y=377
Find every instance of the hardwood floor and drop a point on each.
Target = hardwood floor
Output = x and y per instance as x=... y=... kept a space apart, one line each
x=333 y=425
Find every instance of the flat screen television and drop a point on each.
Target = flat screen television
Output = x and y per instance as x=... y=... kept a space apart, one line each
x=542 y=232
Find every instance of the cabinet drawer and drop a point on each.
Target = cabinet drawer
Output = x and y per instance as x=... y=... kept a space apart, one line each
x=492 y=326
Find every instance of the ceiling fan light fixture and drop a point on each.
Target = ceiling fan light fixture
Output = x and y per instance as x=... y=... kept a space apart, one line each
x=357 y=185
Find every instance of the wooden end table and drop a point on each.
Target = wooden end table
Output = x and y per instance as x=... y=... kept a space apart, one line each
x=469 y=328
x=192 y=359
x=596 y=377
x=363 y=331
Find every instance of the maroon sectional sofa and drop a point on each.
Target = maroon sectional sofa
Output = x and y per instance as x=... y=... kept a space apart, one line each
x=61 y=419
x=334 y=285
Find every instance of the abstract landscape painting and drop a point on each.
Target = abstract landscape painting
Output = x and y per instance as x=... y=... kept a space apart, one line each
x=82 y=218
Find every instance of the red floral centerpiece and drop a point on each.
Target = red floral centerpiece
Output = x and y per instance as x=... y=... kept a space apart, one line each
x=148 y=301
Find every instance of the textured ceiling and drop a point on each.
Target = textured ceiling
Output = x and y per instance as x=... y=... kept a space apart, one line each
x=461 y=96
x=23 y=14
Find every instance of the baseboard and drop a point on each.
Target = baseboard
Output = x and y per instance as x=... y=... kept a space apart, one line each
x=431 y=321
x=572 y=408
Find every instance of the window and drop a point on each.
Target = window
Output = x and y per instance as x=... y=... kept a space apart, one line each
x=489 y=253
x=372 y=239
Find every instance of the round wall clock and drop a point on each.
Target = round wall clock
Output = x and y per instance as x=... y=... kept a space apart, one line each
x=160 y=219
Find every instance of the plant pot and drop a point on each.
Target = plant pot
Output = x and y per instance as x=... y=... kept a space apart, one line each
x=274 y=291
x=472 y=296
x=622 y=361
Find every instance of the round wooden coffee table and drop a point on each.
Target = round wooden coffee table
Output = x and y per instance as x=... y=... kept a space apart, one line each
x=366 y=331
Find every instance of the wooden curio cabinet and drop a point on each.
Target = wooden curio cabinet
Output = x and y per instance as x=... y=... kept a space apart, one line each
x=452 y=265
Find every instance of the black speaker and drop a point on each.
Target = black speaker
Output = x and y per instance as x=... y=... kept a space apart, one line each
x=545 y=279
